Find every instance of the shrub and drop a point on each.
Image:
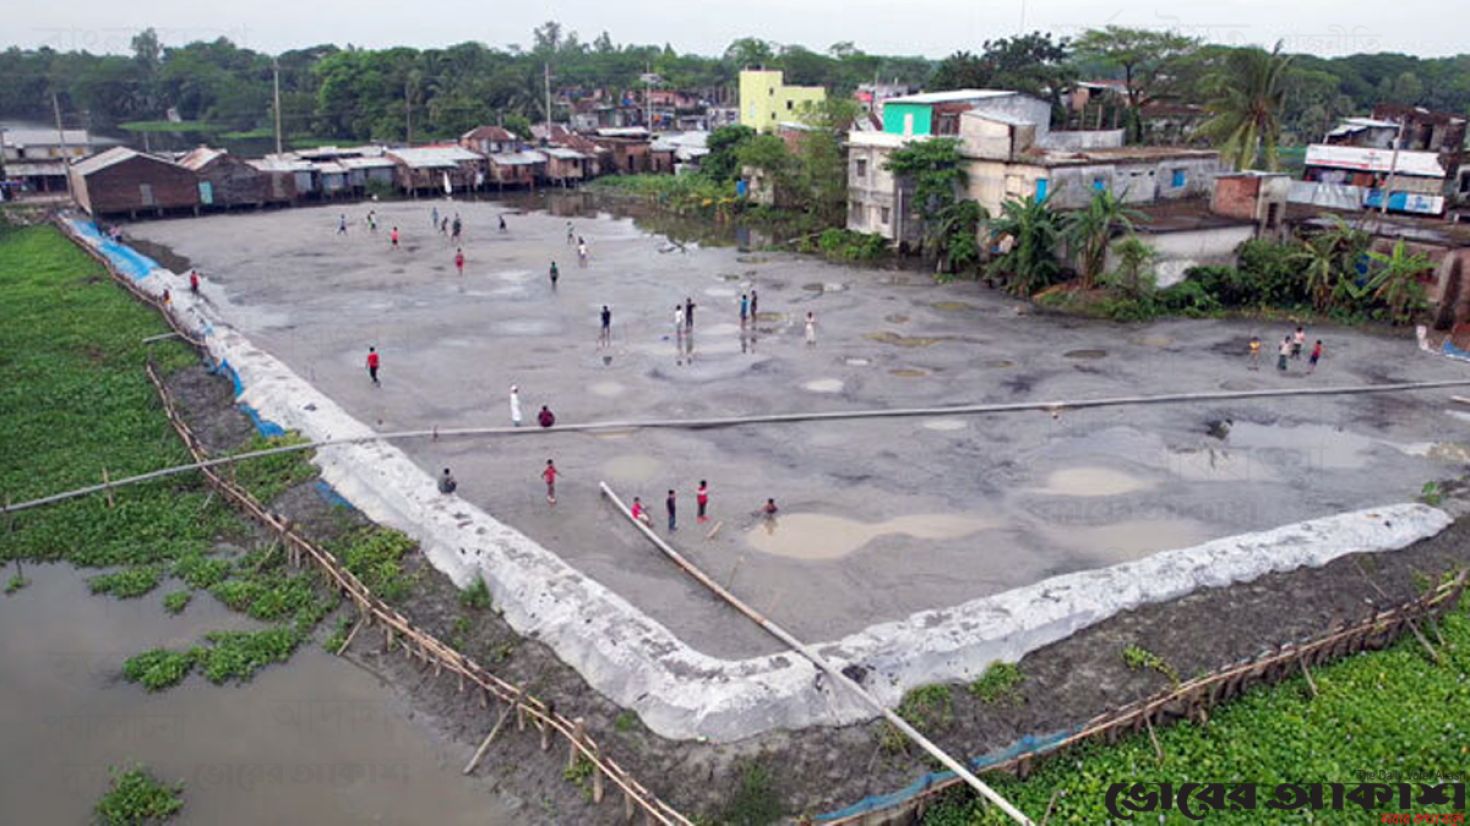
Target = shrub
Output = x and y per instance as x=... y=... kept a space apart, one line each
x=237 y=655
x=136 y=797
x=158 y=669
x=1188 y=298
x=375 y=556
x=477 y=595
x=754 y=802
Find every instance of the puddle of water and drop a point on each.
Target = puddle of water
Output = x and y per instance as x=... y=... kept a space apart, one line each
x=1216 y=464
x=814 y=287
x=1130 y=539
x=615 y=435
x=1085 y=354
x=824 y=385
x=1454 y=452
x=909 y=372
x=632 y=468
x=513 y=276
x=1308 y=445
x=945 y=424
x=953 y=306
x=817 y=536
x=998 y=363
x=1092 y=481
x=768 y=316
x=852 y=361
x=525 y=327
x=720 y=292
x=316 y=740
x=1153 y=341
x=606 y=389
x=899 y=340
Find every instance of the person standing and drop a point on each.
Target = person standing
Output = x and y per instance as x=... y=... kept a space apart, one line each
x=194 y=281
x=811 y=329
x=515 y=406
x=459 y=260
x=1315 y=357
x=744 y=308
x=605 y=337
x=582 y=251
x=701 y=500
x=372 y=221
x=550 y=474
x=434 y=218
x=769 y=509
x=458 y=226
x=393 y=237
x=554 y=274
x=669 y=505
x=689 y=312
x=372 y=366
x=1283 y=354
x=678 y=321
x=1298 y=340
x=502 y=223
x=1255 y=351
x=571 y=236
x=754 y=302
x=342 y=224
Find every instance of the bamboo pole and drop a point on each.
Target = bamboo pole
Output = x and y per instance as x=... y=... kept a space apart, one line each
x=350 y=634
x=485 y=746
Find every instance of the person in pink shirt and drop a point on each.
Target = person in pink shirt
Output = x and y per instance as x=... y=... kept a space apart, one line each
x=459 y=261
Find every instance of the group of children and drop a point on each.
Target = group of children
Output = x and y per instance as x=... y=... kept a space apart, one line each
x=1291 y=347
x=701 y=503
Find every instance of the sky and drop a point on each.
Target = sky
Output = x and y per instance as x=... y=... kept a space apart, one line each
x=932 y=28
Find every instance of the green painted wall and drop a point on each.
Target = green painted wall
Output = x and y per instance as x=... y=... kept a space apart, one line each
x=893 y=115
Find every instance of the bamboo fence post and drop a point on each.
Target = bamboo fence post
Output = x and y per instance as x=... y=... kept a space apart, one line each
x=485 y=746
x=546 y=736
x=1312 y=684
x=579 y=733
x=350 y=634
x=108 y=482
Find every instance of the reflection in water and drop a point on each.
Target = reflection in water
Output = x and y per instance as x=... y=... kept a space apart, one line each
x=1092 y=481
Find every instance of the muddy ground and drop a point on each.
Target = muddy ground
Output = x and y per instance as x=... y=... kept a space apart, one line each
x=824 y=769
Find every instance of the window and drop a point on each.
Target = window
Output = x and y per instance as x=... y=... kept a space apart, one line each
x=790 y=104
x=883 y=215
x=854 y=213
x=1179 y=178
x=860 y=169
x=145 y=193
x=1041 y=189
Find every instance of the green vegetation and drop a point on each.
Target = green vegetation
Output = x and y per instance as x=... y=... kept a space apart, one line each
x=175 y=602
x=375 y=555
x=626 y=721
x=1431 y=494
x=182 y=127
x=269 y=476
x=928 y=708
x=1088 y=232
x=15 y=583
x=334 y=641
x=158 y=669
x=755 y=802
x=939 y=177
x=846 y=245
x=1138 y=657
x=127 y=583
x=476 y=596
x=137 y=797
x=200 y=571
x=237 y=655
x=1367 y=720
x=999 y=682
x=1029 y=235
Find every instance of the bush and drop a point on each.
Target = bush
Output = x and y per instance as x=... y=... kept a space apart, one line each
x=158 y=669
x=138 y=797
x=237 y=655
x=175 y=602
x=846 y=245
x=127 y=583
x=1188 y=298
x=375 y=556
x=476 y=596
x=999 y=681
x=1270 y=276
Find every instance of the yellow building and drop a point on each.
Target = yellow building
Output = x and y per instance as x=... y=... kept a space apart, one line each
x=766 y=101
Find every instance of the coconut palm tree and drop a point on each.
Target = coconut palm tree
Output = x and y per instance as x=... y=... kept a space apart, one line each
x=1247 y=96
x=1088 y=231
x=1030 y=263
x=1396 y=284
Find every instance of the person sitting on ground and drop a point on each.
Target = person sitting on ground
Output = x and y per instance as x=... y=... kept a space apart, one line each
x=447 y=483
x=639 y=513
x=546 y=418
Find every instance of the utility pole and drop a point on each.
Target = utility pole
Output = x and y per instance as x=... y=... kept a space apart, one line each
x=407 y=115
x=276 y=82
x=61 y=138
x=546 y=76
x=1393 y=162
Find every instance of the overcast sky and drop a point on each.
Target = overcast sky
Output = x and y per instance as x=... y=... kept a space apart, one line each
x=928 y=27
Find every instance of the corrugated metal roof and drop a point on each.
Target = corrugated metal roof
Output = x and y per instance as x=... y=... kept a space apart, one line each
x=330 y=167
x=199 y=157
x=379 y=162
x=951 y=97
x=280 y=164
x=432 y=157
x=115 y=155
x=563 y=153
x=488 y=133
x=1404 y=162
x=44 y=137
x=523 y=158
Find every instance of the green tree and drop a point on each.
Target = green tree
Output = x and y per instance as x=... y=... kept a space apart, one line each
x=1143 y=56
x=1328 y=259
x=960 y=225
x=1028 y=233
x=779 y=170
x=1247 y=97
x=934 y=167
x=1396 y=282
x=722 y=163
x=1134 y=275
x=1087 y=232
x=822 y=160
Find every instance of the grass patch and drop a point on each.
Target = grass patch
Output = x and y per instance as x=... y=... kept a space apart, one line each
x=476 y=596
x=175 y=602
x=158 y=669
x=928 y=708
x=237 y=655
x=755 y=801
x=1431 y=494
x=200 y=571
x=15 y=583
x=626 y=721
x=333 y=643
x=375 y=555
x=1138 y=658
x=1368 y=722
x=128 y=583
x=137 y=797
x=999 y=682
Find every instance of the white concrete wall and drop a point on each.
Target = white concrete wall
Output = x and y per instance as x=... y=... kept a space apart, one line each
x=1178 y=251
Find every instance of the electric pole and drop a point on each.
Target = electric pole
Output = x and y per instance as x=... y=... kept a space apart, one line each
x=547 y=77
x=276 y=82
x=1393 y=162
x=407 y=115
x=61 y=138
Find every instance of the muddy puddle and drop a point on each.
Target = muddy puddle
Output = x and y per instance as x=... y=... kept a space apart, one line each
x=1085 y=354
x=816 y=536
x=1127 y=539
x=1091 y=481
x=316 y=741
x=1304 y=445
x=632 y=468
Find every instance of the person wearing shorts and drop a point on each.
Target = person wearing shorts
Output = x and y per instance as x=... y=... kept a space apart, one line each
x=1315 y=357
x=549 y=474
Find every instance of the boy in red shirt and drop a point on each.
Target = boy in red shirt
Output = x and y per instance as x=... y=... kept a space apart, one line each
x=194 y=281
x=550 y=476
x=637 y=511
x=459 y=260
x=701 y=498
x=372 y=366
x=394 y=236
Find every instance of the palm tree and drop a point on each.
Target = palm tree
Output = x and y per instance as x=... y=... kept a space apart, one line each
x=1088 y=231
x=1396 y=283
x=1248 y=94
x=1030 y=263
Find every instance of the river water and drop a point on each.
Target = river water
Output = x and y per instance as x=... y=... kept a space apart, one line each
x=318 y=740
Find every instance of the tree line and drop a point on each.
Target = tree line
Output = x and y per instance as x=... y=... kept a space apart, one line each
x=350 y=93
